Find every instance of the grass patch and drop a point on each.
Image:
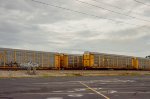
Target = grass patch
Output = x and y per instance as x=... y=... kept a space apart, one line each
x=46 y=75
x=130 y=74
x=148 y=74
x=77 y=74
x=74 y=74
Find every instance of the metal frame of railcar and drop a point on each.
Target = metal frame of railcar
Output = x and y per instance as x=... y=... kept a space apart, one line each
x=143 y=63
x=71 y=61
x=107 y=61
x=21 y=56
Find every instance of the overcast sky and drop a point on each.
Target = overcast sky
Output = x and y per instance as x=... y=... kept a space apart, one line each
x=25 y=24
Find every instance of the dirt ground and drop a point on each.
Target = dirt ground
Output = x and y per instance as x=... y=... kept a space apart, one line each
x=53 y=73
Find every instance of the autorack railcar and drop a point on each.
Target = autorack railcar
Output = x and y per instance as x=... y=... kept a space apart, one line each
x=143 y=63
x=12 y=58
x=109 y=61
x=71 y=61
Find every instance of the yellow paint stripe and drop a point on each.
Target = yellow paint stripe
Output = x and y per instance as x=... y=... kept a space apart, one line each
x=94 y=90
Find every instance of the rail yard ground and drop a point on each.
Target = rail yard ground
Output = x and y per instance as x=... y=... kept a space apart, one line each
x=73 y=87
x=56 y=73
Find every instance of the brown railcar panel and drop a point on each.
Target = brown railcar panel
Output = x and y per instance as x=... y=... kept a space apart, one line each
x=71 y=61
x=135 y=63
x=57 y=61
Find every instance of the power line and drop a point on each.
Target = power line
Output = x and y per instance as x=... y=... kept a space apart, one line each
x=108 y=4
x=116 y=7
x=112 y=11
x=141 y=2
x=82 y=12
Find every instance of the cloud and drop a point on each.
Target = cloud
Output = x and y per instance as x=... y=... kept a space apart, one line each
x=28 y=25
